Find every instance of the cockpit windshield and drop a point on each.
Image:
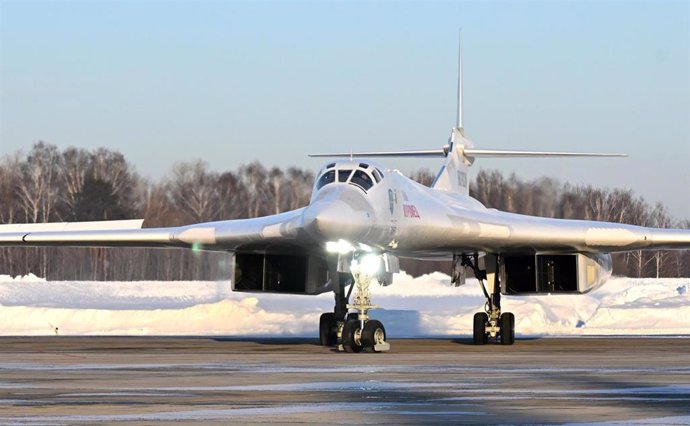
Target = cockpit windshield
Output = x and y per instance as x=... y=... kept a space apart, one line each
x=362 y=179
x=344 y=174
x=362 y=175
x=326 y=178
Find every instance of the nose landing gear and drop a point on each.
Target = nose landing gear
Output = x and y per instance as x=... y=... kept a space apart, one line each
x=355 y=330
x=360 y=332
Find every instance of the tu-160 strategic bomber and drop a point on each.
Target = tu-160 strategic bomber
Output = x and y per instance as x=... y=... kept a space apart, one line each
x=362 y=217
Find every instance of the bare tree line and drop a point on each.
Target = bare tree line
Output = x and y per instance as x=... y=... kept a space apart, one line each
x=49 y=185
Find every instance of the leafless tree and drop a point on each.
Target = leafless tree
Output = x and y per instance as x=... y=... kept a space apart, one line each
x=193 y=190
x=423 y=176
x=38 y=188
x=10 y=176
x=254 y=178
x=276 y=179
x=156 y=206
x=233 y=197
x=111 y=166
x=75 y=166
x=300 y=183
x=660 y=219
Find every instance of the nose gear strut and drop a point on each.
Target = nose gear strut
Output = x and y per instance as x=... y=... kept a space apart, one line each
x=360 y=332
x=349 y=326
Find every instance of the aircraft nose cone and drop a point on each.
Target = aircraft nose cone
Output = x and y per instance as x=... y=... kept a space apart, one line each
x=335 y=220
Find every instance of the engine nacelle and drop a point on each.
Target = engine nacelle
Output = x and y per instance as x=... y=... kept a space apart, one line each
x=280 y=273
x=554 y=273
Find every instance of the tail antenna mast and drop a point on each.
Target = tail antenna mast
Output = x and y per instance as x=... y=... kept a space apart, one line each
x=458 y=123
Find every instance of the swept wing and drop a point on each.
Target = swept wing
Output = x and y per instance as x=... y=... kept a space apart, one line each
x=222 y=235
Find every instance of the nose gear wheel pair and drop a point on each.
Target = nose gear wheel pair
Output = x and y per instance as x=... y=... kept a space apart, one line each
x=356 y=339
x=355 y=331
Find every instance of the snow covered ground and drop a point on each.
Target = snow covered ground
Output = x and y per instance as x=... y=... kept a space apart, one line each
x=413 y=307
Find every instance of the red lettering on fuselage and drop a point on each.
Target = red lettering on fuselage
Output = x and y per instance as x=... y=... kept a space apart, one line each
x=410 y=211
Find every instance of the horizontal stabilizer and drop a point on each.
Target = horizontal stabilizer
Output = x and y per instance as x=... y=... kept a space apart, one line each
x=501 y=153
x=421 y=153
x=470 y=152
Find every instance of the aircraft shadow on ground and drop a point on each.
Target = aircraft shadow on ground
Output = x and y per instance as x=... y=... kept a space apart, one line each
x=313 y=341
x=399 y=324
x=469 y=341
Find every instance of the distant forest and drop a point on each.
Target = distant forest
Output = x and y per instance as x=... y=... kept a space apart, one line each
x=49 y=185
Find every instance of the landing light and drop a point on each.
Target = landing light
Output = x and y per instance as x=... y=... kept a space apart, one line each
x=340 y=247
x=370 y=264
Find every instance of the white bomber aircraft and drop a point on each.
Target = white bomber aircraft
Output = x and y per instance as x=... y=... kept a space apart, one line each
x=362 y=218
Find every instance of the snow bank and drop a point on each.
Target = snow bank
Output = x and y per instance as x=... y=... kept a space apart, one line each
x=414 y=307
x=22 y=278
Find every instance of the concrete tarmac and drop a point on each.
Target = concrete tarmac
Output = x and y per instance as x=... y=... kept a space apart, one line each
x=151 y=380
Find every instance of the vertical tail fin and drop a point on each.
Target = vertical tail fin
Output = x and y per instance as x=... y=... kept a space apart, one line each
x=453 y=175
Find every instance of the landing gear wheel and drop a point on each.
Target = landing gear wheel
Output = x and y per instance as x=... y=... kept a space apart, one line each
x=328 y=329
x=507 y=323
x=479 y=328
x=352 y=336
x=373 y=335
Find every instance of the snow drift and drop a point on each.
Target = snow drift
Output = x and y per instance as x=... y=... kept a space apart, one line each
x=414 y=307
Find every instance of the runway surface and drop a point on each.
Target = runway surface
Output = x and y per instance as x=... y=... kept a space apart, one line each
x=160 y=380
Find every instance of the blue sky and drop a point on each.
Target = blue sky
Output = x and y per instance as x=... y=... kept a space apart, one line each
x=232 y=82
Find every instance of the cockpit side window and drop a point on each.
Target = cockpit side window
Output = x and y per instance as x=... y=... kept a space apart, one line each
x=344 y=174
x=325 y=179
x=362 y=179
x=377 y=175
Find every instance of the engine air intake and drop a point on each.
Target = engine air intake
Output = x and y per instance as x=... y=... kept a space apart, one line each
x=553 y=273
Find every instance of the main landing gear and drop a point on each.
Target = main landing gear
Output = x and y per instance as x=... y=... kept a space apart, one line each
x=491 y=323
x=355 y=331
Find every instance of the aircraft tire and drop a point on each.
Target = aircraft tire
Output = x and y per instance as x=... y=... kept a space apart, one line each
x=328 y=329
x=507 y=324
x=479 y=328
x=349 y=330
x=373 y=333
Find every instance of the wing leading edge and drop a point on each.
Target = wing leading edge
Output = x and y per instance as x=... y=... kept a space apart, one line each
x=221 y=235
